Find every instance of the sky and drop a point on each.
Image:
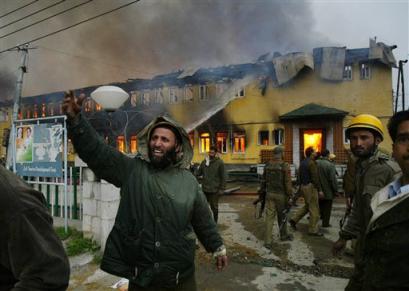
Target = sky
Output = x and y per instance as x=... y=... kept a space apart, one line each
x=159 y=36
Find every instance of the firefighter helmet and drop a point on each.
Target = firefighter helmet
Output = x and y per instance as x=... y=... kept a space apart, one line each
x=366 y=121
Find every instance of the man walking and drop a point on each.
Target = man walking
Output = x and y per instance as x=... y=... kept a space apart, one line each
x=213 y=180
x=386 y=252
x=310 y=189
x=152 y=242
x=276 y=183
x=373 y=170
x=328 y=181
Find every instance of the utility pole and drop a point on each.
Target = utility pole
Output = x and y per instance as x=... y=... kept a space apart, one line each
x=11 y=154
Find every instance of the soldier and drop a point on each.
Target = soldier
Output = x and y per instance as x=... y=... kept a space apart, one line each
x=373 y=170
x=328 y=180
x=214 y=180
x=311 y=189
x=277 y=185
x=386 y=252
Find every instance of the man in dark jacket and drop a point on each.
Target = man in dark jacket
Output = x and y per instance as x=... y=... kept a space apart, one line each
x=152 y=242
x=373 y=171
x=328 y=180
x=310 y=188
x=213 y=179
x=386 y=241
x=32 y=256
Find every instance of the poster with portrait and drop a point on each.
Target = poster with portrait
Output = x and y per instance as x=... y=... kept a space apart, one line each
x=39 y=150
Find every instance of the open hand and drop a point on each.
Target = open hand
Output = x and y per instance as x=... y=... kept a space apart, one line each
x=72 y=105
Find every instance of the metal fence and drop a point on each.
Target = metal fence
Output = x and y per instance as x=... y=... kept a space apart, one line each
x=54 y=194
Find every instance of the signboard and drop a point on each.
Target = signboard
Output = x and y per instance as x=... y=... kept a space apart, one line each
x=39 y=150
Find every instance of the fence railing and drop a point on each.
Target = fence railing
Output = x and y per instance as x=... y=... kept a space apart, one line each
x=54 y=194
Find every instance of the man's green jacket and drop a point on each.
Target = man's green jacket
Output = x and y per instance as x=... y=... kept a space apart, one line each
x=328 y=177
x=152 y=242
x=214 y=176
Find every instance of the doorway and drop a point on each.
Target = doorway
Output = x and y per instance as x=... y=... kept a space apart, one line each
x=311 y=137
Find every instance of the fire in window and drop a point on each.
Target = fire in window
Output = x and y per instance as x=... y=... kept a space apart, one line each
x=313 y=138
x=204 y=142
x=120 y=143
x=35 y=111
x=239 y=142
x=43 y=110
x=134 y=144
x=263 y=138
x=221 y=139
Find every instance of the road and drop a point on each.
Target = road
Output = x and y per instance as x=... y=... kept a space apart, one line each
x=305 y=263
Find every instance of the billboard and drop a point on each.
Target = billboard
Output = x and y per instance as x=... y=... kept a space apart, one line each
x=39 y=150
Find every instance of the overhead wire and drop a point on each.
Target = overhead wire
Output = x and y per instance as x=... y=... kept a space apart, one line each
x=31 y=14
x=17 y=9
x=71 y=26
x=44 y=19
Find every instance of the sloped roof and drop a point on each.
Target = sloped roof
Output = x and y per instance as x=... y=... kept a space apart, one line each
x=313 y=110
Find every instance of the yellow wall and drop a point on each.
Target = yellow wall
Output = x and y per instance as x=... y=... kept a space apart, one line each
x=4 y=125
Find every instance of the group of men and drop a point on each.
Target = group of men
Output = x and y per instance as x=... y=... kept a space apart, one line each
x=376 y=192
x=163 y=209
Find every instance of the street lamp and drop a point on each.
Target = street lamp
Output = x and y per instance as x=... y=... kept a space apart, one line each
x=111 y=98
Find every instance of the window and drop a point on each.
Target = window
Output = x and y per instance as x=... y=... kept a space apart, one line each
x=203 y=92
x=173 y=96
x=221 y=139
x=88 y=105
x=365 y=72
x=98 y=107
x=35 y=111
x=263 y=137
x=204 y=145
x=43 y=110
x=192 y=138
x=159 y=96
x=239 y=142
x=134 y=98
x=346 y=139
x=278 y=136
x=134 y=144
x=347 y=75
x=188 y=94
x=51 y=109
x=28 y=112
x=120 y=143
x=240 y=92
x=146 y=98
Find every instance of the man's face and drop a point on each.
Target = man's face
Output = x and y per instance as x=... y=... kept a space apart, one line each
x=363 y=142
x=401 y=147
x=162 y=147
x=212 y=154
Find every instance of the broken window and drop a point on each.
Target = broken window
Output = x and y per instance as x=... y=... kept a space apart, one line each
x=173 y=96
x=203 y=92
x=239 y=142
x=188 y=93
x=204 y=145
x=263 y=137
x=221 y=139
x=240 y=92
x=278 y=136
x=120 y=143
x=347 y=75
x=365 y=72
x=134 y=144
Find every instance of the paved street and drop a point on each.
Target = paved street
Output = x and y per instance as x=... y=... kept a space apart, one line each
x=303 y=264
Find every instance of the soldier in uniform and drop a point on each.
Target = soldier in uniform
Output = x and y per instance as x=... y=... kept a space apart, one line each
x=277 y=185
x=373 y=170
x=311 y=189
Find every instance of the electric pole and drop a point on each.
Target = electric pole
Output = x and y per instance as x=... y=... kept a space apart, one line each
x=11 y=154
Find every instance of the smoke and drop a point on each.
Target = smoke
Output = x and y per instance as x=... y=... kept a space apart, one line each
x=157 y=36
x=7 y=85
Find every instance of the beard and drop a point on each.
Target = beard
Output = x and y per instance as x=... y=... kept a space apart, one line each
x=360 y=152
x=168 y=158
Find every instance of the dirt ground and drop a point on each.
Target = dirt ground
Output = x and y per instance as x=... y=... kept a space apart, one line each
x=302 y=264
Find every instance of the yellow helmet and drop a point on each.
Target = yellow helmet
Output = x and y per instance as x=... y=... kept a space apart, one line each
x=366 y=121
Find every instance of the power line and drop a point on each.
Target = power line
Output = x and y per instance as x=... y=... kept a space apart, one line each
x=31 y=14
x=73 y=25
x=1 y=16
x=44 y=19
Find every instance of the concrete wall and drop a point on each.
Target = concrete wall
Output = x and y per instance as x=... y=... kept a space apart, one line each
x=100 y=205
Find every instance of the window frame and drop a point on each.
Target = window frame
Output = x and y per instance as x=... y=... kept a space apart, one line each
x=241 y=135
x=259 y=139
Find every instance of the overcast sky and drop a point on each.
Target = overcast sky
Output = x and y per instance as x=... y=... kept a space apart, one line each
x=158 y=36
